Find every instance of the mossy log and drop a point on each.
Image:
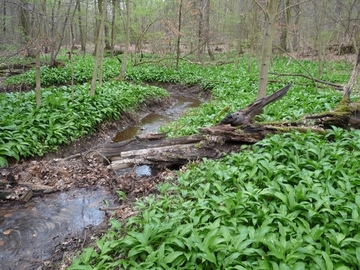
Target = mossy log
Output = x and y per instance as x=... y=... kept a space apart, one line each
x=346 y=114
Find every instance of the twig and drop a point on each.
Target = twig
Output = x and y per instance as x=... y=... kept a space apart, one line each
x=335 y=85
x=111 y=208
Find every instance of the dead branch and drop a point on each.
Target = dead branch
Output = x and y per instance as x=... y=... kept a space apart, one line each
x=336 y=86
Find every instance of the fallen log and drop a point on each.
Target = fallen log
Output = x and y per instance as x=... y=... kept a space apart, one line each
x=212 y=142
x=347 y=114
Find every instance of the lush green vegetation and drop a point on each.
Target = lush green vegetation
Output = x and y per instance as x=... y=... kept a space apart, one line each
x=83 y=70
x=26 y=130
x=289 y=202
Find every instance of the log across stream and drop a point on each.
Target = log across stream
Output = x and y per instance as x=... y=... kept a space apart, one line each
x=156 y=150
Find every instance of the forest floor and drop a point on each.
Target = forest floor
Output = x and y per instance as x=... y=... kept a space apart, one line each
x=56 y=172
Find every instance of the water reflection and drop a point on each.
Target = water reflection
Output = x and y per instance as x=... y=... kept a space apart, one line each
x=29 y=233
x=153 y=121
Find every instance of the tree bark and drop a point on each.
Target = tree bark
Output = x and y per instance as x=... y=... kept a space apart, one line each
x=113 y=26
x=267 y=47
x=201 y=43
x=56 y=51
x=207 y=29
x=38 y=85
x=285 y=17
x=81 y=28
x=179 y=34
x=98 y=58
x=127 y=41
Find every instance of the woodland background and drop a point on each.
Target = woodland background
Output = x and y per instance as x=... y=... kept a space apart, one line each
x=181 y=28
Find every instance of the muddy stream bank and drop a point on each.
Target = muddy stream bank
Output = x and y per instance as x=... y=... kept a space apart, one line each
x=34 y=235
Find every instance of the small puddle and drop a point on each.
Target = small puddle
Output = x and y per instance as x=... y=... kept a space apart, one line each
x=30 y=233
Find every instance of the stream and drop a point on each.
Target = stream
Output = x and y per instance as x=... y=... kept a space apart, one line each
x=32 y=233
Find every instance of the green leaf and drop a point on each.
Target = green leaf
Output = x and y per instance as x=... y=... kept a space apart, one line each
x=172 y=256
x=328 y=262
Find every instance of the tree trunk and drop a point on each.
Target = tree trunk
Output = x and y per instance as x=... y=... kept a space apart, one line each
x=178 y=34
x=127 y=41
x=4 y=19
x=24 y=22
x=285 y=17
x=207 y=29
x=320 y=40
x=106 y=30
x=201 y=43
x=81 y=28
x=56 y=51
x=267 y=47
x=113 y=26
x=98 y=58
x=38 y=85
x=295 y=41
x=253 y=34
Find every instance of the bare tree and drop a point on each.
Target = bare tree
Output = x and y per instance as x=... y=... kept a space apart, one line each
x=319 y=36
x=113 y=26
x=81 y=27
x=267 y=45
x=98 y=53
x=285 y=18
x=58 y=41
x=201 y=37
x=179 y=34
x=207 y=29
x=127 y=40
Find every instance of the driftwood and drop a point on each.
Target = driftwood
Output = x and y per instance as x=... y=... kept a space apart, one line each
x=211 y=142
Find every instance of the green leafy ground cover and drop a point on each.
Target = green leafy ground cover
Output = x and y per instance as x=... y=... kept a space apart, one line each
x=27 y=131
x=289 y=202
x=83 y=70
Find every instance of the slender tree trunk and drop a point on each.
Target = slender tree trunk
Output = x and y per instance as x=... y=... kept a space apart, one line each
x=267 y=47
x=38 y=84
x=106 y=30
x=253 y=34
x=320 y=40
x=285 y=17
x=4 y=18
x=98 y=58
x=296 y=39
x=101 y=45
x=113 y=26
x=179 y=34
x=81 y=28
x=201 y=43
x=72 y=66
x=55 y=52
x=127 y=41
x=207 y=29
x=24 y=22
x=99 y=10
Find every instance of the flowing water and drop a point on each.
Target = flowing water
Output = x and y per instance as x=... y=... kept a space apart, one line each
x=33 y=232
